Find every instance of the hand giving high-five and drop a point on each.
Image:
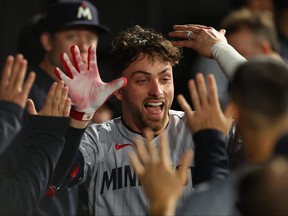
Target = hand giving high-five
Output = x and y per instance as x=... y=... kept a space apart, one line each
x=86 y=89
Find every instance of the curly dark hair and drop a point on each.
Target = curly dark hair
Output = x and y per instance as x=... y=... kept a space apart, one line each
x=129 y=44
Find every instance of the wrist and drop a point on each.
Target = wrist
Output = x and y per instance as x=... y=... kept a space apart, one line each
x=81 y=116
x=165 y=208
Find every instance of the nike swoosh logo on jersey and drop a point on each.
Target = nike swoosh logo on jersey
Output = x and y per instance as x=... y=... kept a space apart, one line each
x=118 y=146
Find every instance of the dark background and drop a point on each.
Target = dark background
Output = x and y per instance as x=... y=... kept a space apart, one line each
x=118 y=15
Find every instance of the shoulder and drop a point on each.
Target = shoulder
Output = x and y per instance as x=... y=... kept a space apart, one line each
x=176 y=114
x=221 y=196
x=95 y=129
x=177 y=117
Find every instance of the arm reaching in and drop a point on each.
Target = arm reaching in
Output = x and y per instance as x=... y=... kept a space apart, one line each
x=208 y=113
x=22 y=190
x=210 y=43
x=162 y=184
x=209 y=126
x=13 y=96
x=13 y=88
x=86 y=89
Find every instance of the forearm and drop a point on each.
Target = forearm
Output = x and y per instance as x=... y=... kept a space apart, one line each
x=11 y=117
x=227 y=58
x=211 y=160
x=21 y=192
x=72 y=141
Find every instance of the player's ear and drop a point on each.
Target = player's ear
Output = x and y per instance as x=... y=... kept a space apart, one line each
x=46 y=41
x=119 y=94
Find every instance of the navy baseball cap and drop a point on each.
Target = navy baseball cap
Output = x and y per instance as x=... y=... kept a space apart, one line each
x=64 y=14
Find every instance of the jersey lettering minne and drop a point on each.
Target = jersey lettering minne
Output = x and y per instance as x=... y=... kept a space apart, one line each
x=112 y=185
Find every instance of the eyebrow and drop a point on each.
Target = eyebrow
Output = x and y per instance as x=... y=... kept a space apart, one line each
x=149 y=74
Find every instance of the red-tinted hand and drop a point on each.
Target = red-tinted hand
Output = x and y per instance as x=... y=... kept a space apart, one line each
x=86 y=89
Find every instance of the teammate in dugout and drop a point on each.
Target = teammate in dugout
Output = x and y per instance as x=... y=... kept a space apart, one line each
x=145 y=60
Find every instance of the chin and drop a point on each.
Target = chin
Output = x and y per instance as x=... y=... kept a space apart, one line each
x=156 y=125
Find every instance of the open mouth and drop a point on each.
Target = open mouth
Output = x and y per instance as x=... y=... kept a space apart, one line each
x=154 y=108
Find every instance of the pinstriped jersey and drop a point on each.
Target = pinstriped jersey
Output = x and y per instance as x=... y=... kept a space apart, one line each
x=113 y=187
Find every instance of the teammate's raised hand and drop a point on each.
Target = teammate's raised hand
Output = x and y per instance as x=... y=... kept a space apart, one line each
x=208 y=113
x=57 y=103
x=162 y=184
x=13 y=86
x=86 y=89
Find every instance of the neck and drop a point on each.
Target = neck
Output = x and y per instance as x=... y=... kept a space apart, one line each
x=263 y=142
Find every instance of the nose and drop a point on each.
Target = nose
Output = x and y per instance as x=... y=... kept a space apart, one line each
x=155 y=89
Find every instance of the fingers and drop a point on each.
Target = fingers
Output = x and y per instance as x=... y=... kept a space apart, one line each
x=50 y=96
x=137 y=165
x=60 y=102
x=92 y=61
x=62 y=76
x=67 y=107
x=229 y=114
x=185 y=162
x=7 y=71
x=191 y=27
x=13 y=87
x=20 y=76
x=77 y=59
x=31 y=107
x=28 y=83
x=222 y=31
x=115 y=85
x=213 y=91
x=147 y=153
x=194 y=95
x=60 y=94
x=63 y=92
x=56 y=103
x=19 y=67
x=141 y=151
x=164 y=152
x=152 y=152
x=203 y=95
x=71 y=71
x=184 y=104
x=202 y=89
x=181 y=31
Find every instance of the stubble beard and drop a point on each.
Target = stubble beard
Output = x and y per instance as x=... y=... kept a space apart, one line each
x=153 y=124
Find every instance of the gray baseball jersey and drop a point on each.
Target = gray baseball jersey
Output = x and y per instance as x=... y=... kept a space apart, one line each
x=112 y=184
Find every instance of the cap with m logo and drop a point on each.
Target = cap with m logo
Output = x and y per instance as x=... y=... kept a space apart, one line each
x=65 y=14
x=84 y=12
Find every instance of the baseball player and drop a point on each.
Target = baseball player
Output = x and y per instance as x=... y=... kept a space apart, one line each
x=143 y=59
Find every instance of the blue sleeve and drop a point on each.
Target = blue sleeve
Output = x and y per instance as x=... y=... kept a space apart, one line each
x=10 y=123
x=71 y=161
x=23 y=189
x=211 y=160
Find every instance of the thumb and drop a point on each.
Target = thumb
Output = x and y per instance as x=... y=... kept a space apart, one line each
x=31 y=107
x=184 y=104
x=115 y=85
x=229 y=111
x=222 y=31
x=229 y=114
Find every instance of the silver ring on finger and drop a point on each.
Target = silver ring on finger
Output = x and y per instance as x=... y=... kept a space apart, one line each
x=189 y=35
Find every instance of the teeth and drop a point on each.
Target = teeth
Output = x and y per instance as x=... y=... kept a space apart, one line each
x=154 y=104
